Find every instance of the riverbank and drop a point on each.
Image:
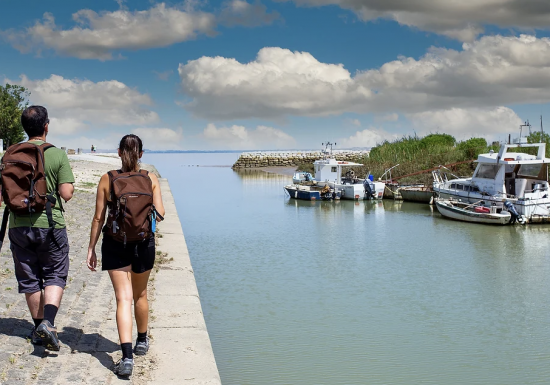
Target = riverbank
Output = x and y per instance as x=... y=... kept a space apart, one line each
x=86 y=319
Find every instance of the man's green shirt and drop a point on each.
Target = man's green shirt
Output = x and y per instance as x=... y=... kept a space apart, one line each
x=58 y=171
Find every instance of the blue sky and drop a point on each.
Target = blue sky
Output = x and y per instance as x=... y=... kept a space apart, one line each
x=278 y=74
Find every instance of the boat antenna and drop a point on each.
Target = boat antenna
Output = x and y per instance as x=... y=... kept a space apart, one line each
x=541 y=129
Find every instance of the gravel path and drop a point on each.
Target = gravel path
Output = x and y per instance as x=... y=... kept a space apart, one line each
x=86 y=320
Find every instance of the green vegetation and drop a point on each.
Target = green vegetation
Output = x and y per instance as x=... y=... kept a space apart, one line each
x=13 y=100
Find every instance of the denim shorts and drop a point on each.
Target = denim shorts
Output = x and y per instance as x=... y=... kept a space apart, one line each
x=140 y=255
x=41 y=257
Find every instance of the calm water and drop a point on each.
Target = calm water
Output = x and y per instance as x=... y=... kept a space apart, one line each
x=358 y=293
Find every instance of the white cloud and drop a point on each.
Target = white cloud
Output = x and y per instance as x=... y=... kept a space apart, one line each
x=462 y=19
x=160 y=138
x=492 y=71
x=278 y=83
x=354 y=122
x=67 y=126
x=369 y=137
x=239 y=137
x=466 y=123
x=97 y=35
x=239 y=12
x=102 y=35
x=74 y=104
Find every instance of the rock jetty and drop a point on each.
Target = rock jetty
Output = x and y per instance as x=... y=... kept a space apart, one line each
x=290 y=159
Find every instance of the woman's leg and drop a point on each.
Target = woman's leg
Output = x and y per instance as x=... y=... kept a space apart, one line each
x=122 y=283
x=141 y=305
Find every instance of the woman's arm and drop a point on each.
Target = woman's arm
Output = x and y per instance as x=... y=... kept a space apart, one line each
x=98 y=220
x=157 y=195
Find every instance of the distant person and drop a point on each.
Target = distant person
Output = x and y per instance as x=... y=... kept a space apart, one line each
x=37 y=232
x=93 y=148
x=128 y=247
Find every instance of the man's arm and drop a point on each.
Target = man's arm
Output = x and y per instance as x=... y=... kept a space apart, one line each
x=65 y=179
x=66 y=191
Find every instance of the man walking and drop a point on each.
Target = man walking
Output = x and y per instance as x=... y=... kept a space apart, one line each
x=38 y=238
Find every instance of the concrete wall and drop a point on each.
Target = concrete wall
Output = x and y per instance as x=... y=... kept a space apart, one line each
x=181 y=340
x=290 y=159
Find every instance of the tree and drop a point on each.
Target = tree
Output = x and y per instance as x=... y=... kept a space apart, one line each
x=472 y=147
x=13 y=100
x=540 y=137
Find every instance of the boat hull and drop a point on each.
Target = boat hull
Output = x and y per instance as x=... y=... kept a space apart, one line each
x=357 y=191
x=416 y=194
x=450 y=210
x=306 y=193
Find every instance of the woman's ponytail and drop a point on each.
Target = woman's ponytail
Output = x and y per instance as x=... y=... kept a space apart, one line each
x=130 y=148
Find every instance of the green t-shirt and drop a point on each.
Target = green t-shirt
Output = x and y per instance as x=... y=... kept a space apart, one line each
x=58 y=171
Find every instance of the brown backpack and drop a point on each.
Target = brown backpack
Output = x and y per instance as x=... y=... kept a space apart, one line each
x=24 y=186
x=130 y=206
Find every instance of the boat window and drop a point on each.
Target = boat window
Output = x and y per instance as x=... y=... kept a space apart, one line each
x=460 y=187
x=487 y=171
x=333 y=169
x=529 y=169
x=453 y=185
x=474 y=188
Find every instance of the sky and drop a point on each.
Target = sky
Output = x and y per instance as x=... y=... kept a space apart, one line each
x=285 y=74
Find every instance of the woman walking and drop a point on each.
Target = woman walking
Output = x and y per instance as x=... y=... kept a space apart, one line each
x=134 y=200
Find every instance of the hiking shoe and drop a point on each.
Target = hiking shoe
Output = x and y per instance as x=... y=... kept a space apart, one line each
x=34 y=338
x=141 y=348
x=124 y=367
x=48 y=333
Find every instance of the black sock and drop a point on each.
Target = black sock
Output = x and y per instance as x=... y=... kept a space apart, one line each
x=142 y=337
x=127 y=350
x=50 y=311
x=37 y=321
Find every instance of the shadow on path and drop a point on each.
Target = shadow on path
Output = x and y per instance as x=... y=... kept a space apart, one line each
x=15 y=327
x=94 y=344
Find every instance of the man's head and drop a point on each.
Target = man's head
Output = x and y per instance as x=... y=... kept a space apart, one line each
x=35 y=121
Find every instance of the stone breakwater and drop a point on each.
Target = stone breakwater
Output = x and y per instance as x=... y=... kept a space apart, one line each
x=289 y=159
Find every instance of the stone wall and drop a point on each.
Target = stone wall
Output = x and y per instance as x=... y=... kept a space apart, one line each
x=292 y=159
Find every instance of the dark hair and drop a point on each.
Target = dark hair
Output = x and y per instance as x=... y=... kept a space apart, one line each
x=34 y=120
x=130 y=148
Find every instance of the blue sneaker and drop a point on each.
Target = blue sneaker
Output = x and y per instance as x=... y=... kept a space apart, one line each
x=124 y=367
x=141 y=348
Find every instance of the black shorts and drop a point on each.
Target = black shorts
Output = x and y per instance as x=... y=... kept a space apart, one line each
x=141 y=255
x=40 y=256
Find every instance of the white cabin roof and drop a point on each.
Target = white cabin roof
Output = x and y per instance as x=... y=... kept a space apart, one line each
x=334 y=162
x=504 y=157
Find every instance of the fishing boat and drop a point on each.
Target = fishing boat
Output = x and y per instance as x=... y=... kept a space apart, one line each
x=517 y=177
x=475 y=213
x=330 y=171
x=312 y=192
x=420 y=194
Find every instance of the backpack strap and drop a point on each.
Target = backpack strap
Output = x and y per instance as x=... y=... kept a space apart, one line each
x=144 y=172
x=4 y=225
x=111 y=176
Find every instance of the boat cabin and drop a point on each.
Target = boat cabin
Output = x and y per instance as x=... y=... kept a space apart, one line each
x=330 y=170
x=512 y=173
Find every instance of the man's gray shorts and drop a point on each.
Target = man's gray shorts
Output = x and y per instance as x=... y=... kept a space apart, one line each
x=39 y=260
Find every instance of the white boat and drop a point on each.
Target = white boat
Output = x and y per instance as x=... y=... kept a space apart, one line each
x=519 y=178
x=329 y=171
x=469 y=212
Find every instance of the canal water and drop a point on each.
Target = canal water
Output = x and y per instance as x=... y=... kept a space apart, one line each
x=299 y=292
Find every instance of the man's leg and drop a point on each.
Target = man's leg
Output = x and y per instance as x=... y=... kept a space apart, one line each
x=35 y=302
x=53 y=254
